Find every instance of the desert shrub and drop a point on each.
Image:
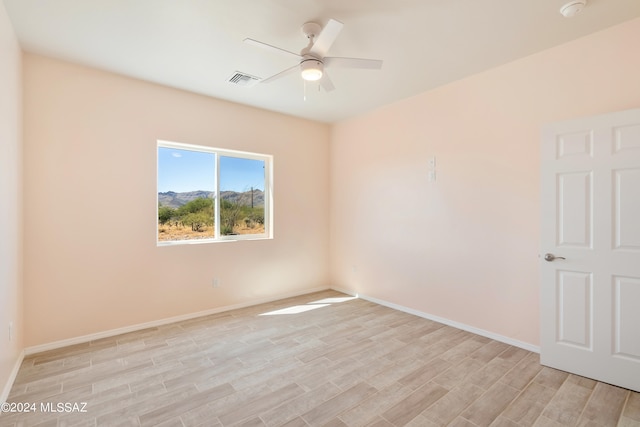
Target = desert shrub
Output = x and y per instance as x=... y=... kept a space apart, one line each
x=230 y=213
x=257 y=216
x=196 y=205
x=165 y=214
x=198 y=220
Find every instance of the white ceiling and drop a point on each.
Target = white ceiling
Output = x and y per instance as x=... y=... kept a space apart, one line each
x=196 y=45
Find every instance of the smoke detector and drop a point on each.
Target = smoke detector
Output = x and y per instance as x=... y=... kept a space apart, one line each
x=573 y=8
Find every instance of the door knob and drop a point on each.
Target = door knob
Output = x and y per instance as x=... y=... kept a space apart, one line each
x=552 y=257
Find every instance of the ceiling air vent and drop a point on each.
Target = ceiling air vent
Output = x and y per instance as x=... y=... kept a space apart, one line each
x=243 y=79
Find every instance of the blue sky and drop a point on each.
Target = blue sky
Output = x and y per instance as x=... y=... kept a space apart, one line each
x=186 y=170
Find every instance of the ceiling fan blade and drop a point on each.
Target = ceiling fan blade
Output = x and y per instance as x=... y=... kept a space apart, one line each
x=271 y=48
x=281 y=74
x=326 y=83
x=369 y=64
x=325 y=39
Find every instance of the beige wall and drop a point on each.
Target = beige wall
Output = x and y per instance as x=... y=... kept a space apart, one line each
x=11 y=200
x=91 y=261
x=465 y=247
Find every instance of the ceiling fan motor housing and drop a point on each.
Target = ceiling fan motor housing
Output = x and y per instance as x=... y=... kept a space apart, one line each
x=311 y=29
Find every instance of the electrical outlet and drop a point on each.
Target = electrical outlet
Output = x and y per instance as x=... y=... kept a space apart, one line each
x=10 y=331
x=216 y=282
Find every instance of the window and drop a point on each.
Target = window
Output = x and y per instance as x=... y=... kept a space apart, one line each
x=207 y=194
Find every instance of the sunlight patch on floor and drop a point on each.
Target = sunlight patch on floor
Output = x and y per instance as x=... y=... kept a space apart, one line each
x=333 y=300
x=295 y=309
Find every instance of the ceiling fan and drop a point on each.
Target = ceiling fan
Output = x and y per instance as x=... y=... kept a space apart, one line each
x=312 y=60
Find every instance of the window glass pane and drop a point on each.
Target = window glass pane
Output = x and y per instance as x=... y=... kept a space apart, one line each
x=242 y=204
x=186 y=187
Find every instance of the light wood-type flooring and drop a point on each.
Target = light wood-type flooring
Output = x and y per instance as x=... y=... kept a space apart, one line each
x=314 y=360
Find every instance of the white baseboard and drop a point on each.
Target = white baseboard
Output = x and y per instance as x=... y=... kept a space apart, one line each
x=12 y=378
x=458 y=325
x=126 y=329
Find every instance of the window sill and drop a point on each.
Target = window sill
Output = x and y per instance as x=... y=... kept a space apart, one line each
x=236 y=238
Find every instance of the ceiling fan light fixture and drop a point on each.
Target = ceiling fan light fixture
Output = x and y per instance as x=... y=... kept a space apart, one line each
x=311 y=70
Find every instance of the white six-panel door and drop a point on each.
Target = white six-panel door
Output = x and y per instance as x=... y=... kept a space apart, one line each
x=590 y=291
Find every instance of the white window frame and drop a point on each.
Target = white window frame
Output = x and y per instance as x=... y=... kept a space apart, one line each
x=218 y=152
